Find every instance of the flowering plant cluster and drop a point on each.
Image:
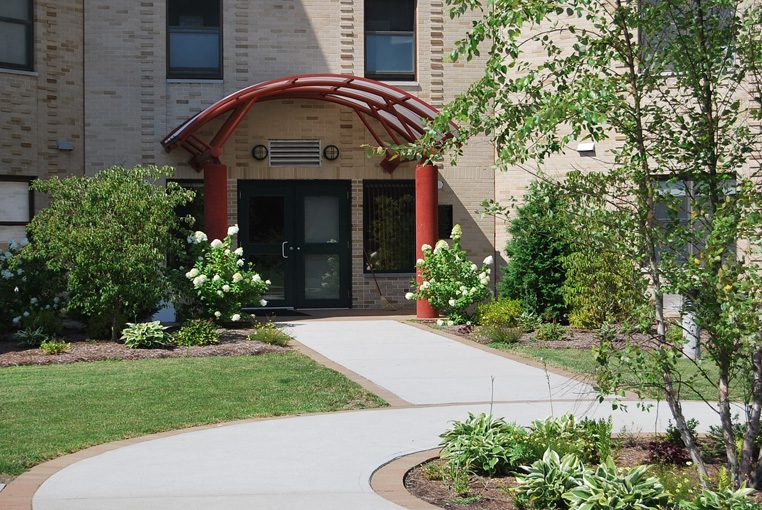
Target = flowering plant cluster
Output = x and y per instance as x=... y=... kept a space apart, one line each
x=222 y=280
x=450 y=281
x=30 y=295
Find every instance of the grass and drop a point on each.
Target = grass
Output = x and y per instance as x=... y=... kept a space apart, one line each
x=48 y=411
x=581 y=361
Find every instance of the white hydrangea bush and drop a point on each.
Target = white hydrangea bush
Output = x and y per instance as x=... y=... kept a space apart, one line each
x=222 y=280
x=450 y=282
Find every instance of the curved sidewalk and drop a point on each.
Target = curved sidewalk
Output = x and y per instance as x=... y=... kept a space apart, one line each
x=326 y=461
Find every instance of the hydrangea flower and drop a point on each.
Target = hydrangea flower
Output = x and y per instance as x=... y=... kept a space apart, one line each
x=268 y=282
x=199 y=280
x=451 y=302
x=456 y=233
x=489 y=261
x=216 y=243
x=240 y=262
x=217 y=278
x=233 y=230
x=237 y=277
x=409 y=296
x=236 y=317
x=197 y=237
x=217 y=314
x=192 y=273
x=263 y=302
x=425 y=247
x=256 y=278
x=226 y=288
x=239 y=251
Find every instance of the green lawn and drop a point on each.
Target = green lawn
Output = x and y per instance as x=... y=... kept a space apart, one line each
x=582 y=361
x=48 y=411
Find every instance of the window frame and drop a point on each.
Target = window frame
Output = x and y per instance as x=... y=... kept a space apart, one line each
x=393 y=77
x=185 y=73
x=29 y=25
x=366 y=230
x=28 y=180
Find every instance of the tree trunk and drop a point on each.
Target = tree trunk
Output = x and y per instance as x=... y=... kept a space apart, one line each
x=726 y=419
x=752 y=424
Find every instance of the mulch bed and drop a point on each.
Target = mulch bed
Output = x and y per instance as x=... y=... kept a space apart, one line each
x=233 y=342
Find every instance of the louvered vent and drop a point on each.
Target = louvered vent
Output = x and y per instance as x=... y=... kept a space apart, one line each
x=294 y=152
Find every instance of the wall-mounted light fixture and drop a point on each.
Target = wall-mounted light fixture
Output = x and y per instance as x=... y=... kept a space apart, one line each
x=331 y=152
x=586 y=148
x=259 y=152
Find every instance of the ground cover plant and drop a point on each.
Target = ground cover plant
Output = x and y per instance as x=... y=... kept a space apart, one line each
x=197 y=332
x=49 y=411
x=270 y=333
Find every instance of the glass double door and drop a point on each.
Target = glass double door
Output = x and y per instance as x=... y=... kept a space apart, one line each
x=298 y=235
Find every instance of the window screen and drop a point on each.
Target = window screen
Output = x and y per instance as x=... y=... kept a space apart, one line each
x=389 y=226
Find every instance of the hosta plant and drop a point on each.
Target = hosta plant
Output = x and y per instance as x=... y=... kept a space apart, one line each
x=726 y=499
x=53 y=347
x=222 y=280
x=450 y=282
x=590 y=440
x=608 y=488
x=146 y=335
x=548 y=479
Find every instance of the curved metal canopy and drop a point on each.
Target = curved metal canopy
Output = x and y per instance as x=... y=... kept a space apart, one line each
x=401 y=115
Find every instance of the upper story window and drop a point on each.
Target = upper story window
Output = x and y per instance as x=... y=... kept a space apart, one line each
x=390 y=40
x=194 y=39
x=16 y=37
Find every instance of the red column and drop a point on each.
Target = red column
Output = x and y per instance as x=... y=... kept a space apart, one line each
x=215 y=200
x=426 y=207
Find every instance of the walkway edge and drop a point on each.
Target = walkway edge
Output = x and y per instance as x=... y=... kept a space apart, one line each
x=388 y=481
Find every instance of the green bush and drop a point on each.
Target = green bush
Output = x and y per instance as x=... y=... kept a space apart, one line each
x=501 y=333
x=197 y=332
x=609 y=489
x=269 y=333
x=31 y=337
x=52 y=347
x=110 y=235
x=501 y=312
x=528 y=321
x=601 y=286
x=449 y=280
x=552 y=331
x=146 y=335
x=727 y=499
x=589 y=440
x=485 y=445
x=539 y=244
x=547 y=480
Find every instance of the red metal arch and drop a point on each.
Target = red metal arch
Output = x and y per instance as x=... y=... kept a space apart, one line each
x=401 y=115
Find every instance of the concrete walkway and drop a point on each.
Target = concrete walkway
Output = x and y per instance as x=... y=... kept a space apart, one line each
x=325 y=461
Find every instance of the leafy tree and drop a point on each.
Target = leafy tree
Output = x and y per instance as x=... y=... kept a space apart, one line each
x=110 y=234
x=535 y=271
x=677 y=84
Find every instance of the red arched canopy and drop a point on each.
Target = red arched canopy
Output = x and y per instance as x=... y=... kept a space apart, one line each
x=401 y=115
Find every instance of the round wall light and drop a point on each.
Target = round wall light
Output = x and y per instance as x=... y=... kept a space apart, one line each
x=259 y=152
x=331 y=152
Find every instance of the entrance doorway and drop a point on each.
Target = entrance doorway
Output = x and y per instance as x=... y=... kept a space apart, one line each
x=298 y=235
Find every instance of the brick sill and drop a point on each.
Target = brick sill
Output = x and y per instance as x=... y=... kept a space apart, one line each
x=19 y=72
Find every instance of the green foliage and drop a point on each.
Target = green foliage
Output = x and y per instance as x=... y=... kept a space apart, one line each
x=528 y=321
x=501 y=334
x=31 y=337
x=672 y=433
x=609 y=489
x=450 y=281
x=547 y=480
x=727 y=499
x=552 y=332
x=485 y=444
x=539 y=244
x=222 y=280
x=387 y=225
x=52 y=347
x=501 y=312
x=270 y=333
x=110 y=235
x=589 y=440
x=681 y=482
x=146 y=335
x=197 y=332
x=601 y=286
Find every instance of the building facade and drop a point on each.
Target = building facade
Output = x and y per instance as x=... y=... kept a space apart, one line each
x=87 y=84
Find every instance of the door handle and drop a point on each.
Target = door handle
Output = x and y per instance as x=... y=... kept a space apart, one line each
x=283 y=249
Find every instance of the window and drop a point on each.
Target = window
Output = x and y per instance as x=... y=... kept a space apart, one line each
x=445 y=221
x=389 y=226
x=390 y=40
x=16 y=207
x=16 y=37
x=194 y=39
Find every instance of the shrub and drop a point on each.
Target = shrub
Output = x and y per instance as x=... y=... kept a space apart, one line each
x=672 y=433
x=535 y=272
x=608 y=489
x=146 y=335
x=528 y=321
x=727 y=499
x=713 y=446
x=269 y=333
x=552 y=331
x=680 y=482
x=223 y=282
x=501 y=333
x=501 y=312
x=547 y=480
x=52 y=347
x=31 y=337
x=601 y=286
x=667 y=452
x=450 y=282
x=197 y=332
x=485 y=444
x=110 y=235
x=589 y=440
